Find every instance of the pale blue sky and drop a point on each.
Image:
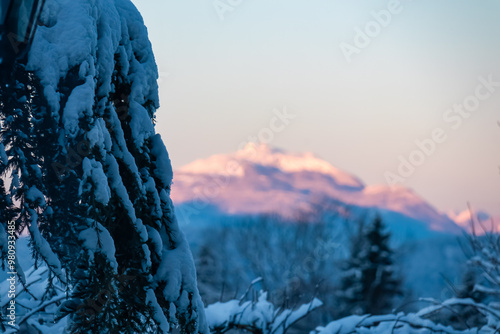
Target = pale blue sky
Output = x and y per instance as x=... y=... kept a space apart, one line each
x=221 y=79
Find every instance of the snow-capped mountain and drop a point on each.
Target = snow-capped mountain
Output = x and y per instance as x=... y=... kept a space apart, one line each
x=260 y=179
x=483 y=221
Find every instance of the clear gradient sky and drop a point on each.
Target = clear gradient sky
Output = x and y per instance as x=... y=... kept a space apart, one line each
x=221 y=79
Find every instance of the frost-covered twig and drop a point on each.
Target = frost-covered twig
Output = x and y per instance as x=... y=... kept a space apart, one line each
x=254 y=282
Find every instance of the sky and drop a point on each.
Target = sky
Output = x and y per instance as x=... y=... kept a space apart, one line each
x=394 y=92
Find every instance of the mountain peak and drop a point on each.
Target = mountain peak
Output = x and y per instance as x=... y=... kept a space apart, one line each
x=234 y=164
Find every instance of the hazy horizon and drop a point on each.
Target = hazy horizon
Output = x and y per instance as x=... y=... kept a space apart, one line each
x=220 y=81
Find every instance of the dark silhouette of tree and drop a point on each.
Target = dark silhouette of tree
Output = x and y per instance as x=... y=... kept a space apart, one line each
x=369 y=282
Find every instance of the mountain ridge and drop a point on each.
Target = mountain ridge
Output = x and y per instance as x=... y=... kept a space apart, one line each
x=262 y=180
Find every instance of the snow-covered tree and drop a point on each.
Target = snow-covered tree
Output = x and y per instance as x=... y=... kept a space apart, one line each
x=90 y=178
x=21 y=103
x=369 y=283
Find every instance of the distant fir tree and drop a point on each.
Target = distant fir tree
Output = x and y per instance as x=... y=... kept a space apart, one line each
x=369 y=282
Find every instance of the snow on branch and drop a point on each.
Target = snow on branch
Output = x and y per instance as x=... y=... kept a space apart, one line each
x=258 y=316
x=391 y=323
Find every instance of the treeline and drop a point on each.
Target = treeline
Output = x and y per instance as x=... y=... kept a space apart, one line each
x=349 y=265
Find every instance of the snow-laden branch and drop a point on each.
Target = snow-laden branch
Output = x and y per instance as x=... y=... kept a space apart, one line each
x=259 y=316
x=393 y=324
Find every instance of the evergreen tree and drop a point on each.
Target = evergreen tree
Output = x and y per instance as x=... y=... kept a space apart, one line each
x=369 y=282
x=21 y=101
x=91 y=178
